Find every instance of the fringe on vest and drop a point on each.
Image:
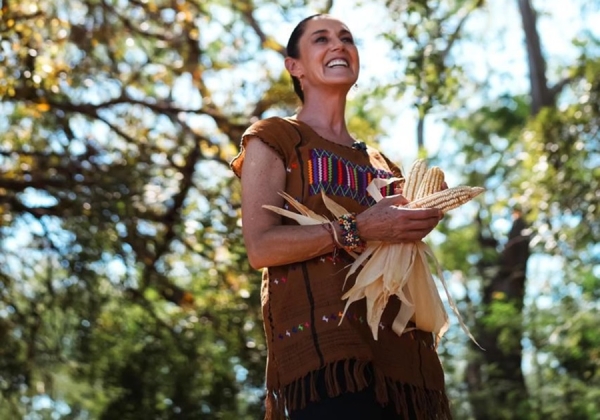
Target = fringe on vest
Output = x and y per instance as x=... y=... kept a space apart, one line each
x=410 y=401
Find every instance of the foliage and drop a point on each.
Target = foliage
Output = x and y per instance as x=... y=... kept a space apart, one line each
x=125 y=291
x=545 y=166
x=124 y=287
x=422 y=39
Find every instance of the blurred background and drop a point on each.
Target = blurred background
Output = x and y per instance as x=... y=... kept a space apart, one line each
x=125 y=292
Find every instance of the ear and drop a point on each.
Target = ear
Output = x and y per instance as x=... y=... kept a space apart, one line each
x=293 y=66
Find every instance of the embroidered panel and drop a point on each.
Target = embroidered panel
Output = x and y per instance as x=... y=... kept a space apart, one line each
x=338 y=176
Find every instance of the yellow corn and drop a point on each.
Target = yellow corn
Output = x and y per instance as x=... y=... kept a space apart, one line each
x=447 y=199
x=431 y=183
x=415 y=175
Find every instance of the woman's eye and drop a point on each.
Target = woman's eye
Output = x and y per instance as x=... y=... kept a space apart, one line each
x=321 y=39
x=348 y=40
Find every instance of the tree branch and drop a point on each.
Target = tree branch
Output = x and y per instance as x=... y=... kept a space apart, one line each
x=456 y=34
x=265 y=40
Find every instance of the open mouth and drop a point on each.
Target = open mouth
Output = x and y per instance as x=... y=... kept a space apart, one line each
x=338 y=62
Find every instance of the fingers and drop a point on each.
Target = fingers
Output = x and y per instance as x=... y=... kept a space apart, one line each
x=389 y=221
x=393 y=200
x=413 y=224
x=399 y=200
x=421 y=222
x=422 y=214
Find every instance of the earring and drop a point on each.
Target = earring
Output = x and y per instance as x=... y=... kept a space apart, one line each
x=355 y=87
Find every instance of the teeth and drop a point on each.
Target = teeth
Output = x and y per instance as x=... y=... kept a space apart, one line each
x=337 y=62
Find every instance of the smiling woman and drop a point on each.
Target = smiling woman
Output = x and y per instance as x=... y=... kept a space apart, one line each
x=319 y=368
x=319 y=45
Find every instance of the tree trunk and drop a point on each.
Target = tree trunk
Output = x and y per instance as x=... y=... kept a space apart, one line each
x=503 y=393
x=541 y=95
x=495 y=380
x=421 y=129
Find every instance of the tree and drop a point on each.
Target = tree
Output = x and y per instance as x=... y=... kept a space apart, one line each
x=422 y=38
x=122 y=271
x=124 y=286
x=125 y=291
x=531 y=130
x=528 y=130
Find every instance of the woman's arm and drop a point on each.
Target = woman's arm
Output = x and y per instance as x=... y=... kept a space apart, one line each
x=269 y=243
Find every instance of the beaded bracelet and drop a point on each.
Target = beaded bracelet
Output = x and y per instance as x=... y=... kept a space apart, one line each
x=350 y=238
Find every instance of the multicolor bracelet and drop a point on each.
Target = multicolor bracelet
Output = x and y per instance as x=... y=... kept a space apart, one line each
x=350 y=239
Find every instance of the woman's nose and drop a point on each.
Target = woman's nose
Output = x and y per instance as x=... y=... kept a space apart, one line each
x=337 y=44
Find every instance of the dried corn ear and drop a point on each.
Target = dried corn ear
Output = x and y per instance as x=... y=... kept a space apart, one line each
x=415 y=175
x=431 y=183
x=447 y=199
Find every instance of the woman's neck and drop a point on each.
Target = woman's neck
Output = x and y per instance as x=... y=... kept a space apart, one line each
x=326 y=115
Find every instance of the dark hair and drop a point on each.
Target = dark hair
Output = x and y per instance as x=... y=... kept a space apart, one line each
x=293 y=50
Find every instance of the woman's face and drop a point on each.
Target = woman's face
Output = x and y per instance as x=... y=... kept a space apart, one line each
x=328 y=55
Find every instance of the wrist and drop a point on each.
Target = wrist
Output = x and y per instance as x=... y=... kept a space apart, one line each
x=362 y=225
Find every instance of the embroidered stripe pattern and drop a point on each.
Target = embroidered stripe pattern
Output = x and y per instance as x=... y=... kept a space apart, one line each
x=338 y=176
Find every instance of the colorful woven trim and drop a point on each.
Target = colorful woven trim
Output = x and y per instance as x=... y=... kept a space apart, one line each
x=340 y=177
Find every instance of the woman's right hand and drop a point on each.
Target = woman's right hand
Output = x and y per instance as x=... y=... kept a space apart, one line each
x=387 y=221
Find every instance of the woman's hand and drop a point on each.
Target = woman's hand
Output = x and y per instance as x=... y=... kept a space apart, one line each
x=387 y=221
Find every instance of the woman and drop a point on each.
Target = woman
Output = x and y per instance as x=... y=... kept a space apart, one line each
x=319 y=368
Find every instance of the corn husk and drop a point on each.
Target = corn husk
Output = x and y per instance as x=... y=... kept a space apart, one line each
x=387 y=270
x=306 y=216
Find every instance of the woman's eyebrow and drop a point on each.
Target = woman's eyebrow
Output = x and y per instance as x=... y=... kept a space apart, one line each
x=319 y=31
x=324 y=31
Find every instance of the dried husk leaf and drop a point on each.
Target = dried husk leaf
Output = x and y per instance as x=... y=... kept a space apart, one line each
x=332 y=206
x=301 y=219
x=302 y=208
x=307 y=216
x=386 y=270
x=376 y=299
x=429 y=313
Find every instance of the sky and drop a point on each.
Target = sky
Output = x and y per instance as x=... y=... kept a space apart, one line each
x=558 y=25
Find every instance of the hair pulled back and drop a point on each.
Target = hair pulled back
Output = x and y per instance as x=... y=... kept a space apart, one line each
x=293 y=50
